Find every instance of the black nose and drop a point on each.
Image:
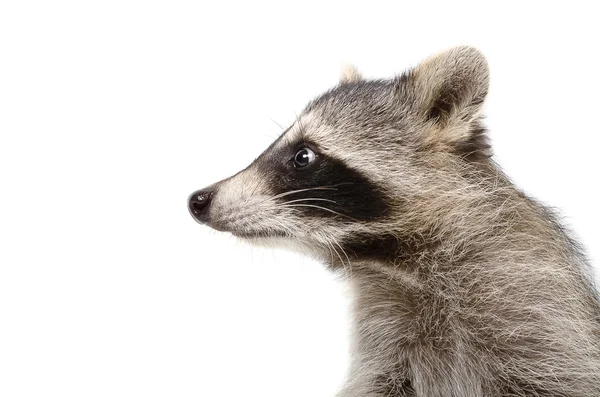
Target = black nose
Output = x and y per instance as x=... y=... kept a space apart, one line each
x=198 y=203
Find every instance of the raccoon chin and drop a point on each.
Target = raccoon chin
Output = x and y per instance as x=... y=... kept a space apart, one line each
x=261 y=234
x=282 y=241
x=252 y=232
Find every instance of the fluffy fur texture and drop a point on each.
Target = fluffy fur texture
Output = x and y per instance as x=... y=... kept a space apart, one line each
x=463 y=286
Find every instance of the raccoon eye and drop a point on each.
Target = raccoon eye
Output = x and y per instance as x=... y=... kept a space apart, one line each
x=303 y=157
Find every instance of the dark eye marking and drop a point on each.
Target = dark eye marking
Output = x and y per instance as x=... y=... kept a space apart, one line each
x=324 y=187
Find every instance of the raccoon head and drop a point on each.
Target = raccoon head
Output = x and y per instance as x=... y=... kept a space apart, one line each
x=351 y=178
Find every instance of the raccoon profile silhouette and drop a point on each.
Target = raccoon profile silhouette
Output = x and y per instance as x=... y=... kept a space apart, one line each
x=462 y=285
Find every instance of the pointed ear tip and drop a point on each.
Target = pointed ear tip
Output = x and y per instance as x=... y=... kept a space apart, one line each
x=349 y=73
x=466 y=53
x=472 y=55
x=468 y=50
x=469 y=58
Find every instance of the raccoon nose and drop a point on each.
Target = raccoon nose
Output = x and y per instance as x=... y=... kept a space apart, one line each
x=198 y=204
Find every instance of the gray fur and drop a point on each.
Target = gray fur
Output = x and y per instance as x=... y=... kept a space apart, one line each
x=476 y=290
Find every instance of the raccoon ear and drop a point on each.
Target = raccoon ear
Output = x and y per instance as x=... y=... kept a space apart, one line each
x=349 y=74
x=447 y=92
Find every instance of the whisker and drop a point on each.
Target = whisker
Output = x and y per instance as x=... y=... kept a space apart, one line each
x=321 y=208
x=310 y=199
x=278 y=125
x=347 y=257
x=329 y=248
x=277 y=196
x=329 y=187
x=332 y=248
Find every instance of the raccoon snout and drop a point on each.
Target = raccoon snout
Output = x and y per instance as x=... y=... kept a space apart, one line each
x=199 y=203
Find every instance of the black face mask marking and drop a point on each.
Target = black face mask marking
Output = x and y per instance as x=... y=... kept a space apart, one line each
x=325 y=188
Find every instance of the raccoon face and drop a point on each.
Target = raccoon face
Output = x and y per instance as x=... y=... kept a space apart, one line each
x=298 y=191
x=343 y=180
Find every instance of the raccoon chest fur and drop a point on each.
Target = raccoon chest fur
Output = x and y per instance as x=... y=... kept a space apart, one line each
x=424 y=334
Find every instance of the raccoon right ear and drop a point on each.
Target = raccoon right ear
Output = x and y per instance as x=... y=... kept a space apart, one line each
x=446 y=93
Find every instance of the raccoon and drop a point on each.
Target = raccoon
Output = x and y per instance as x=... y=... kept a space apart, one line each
x=462 y=285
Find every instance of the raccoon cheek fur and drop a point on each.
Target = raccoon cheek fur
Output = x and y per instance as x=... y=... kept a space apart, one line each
x=463 y=285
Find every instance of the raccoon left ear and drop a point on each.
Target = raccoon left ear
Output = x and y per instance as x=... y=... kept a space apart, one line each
x=349 y=74
x=447 y=92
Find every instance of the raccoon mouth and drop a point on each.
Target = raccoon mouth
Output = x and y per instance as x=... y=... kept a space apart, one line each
x=242 y=228
x=246 y=234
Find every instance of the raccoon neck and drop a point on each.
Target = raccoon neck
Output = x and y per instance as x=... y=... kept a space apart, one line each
x=446 y=309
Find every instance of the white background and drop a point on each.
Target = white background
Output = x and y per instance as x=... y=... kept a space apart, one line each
x=112 y=112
